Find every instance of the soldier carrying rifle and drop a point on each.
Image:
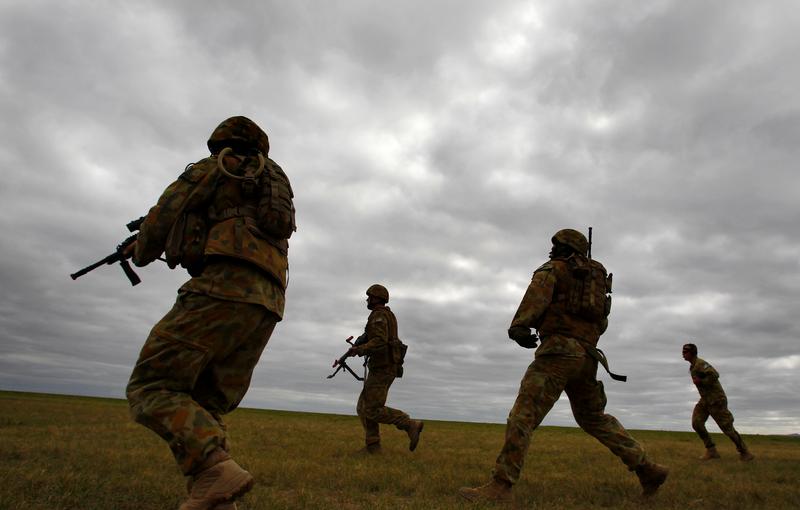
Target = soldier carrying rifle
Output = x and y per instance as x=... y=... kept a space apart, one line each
x=227 y=220
x=568 y=303
x=385 y=352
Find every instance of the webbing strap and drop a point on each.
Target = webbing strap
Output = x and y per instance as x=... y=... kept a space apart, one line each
x=246 y=211
x=600 y=357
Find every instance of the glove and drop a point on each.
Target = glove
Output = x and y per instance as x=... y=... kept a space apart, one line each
x=523 y=336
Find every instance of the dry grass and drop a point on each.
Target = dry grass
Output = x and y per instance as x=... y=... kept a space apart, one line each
x=84 y=453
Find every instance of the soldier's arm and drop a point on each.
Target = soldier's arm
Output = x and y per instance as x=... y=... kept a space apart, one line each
x=704 y=373
x=537 y=298
x=707 y=373
x=155 y=228
x=377 y=332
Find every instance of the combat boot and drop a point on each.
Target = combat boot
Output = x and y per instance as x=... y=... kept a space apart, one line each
x=414 y=430
x=370 y=449
x=651 y=477
x=711 y=453
x=230 y=505
x=746 y=456
x=495 y=491
x=218 y=482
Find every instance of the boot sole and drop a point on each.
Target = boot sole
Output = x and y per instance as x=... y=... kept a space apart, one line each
x=247 y=482
x=464 y=493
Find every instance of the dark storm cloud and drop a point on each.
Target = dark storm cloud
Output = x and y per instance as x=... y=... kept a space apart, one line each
x=433 y=147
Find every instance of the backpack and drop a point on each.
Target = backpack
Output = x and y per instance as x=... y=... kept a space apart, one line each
x=588 y=294
x=275 y=213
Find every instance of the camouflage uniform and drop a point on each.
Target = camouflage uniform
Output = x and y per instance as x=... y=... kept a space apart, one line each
x=196 y=364
x=567 y=361
x=372 y=410
x=712 y=402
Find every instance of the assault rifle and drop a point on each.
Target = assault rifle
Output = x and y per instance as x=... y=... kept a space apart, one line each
x=117 y=256
x=342 y=361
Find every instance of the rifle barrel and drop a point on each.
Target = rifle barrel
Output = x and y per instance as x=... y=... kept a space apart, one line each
x=107 y=260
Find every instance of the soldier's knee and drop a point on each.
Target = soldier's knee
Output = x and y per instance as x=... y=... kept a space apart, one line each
x=699 y=425
x=372 y=413
x=139 y=412
x=134 y=398
x=587 y=420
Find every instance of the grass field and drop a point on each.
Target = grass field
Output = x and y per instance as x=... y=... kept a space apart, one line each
x=63 y=452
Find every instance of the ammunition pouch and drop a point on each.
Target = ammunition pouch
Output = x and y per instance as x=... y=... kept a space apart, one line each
x=397 y=354
x=186 y=242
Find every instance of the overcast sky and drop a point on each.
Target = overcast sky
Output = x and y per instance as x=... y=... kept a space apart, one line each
x=434 y=147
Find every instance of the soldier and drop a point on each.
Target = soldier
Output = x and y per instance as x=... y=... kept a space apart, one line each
x=384 y=353
x=567 y=303
x=712 y=402
x=227 y=219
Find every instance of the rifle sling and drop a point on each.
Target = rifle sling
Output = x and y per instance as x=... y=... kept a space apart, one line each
x=346 y=367
x=600 y=357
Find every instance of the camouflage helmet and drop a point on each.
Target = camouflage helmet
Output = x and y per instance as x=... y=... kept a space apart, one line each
x=573 y=239
x=239 y=131
x=378 y=291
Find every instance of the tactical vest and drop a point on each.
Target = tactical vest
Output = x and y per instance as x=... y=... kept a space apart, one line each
x=235 y=213
x=395 y=351
x=186 y=240
x=581 y=301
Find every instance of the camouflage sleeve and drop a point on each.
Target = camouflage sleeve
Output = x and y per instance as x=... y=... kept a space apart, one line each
x=706 y=372
x=155 y=228
x=537 y=298
x=377 y=332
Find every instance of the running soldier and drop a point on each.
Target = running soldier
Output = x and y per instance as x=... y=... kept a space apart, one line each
x=227 y=219
x=567 y=301
x=713 y=402
x=384 y=351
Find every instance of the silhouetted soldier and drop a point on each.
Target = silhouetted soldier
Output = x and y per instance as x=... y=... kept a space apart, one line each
x=227 y=219
x=567 y=301
x=712 y=402
x=385 y=354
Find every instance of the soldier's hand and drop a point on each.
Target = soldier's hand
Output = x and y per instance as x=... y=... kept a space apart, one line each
x=523 y=336
x=353 y=351
x=128 y=251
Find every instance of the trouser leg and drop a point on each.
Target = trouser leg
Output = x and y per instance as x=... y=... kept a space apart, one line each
x=724 y=419
x=699 y=417
x=189 y=373
x=372 y=431
x=588 y=401
x=540 y=388
x=372 y=409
